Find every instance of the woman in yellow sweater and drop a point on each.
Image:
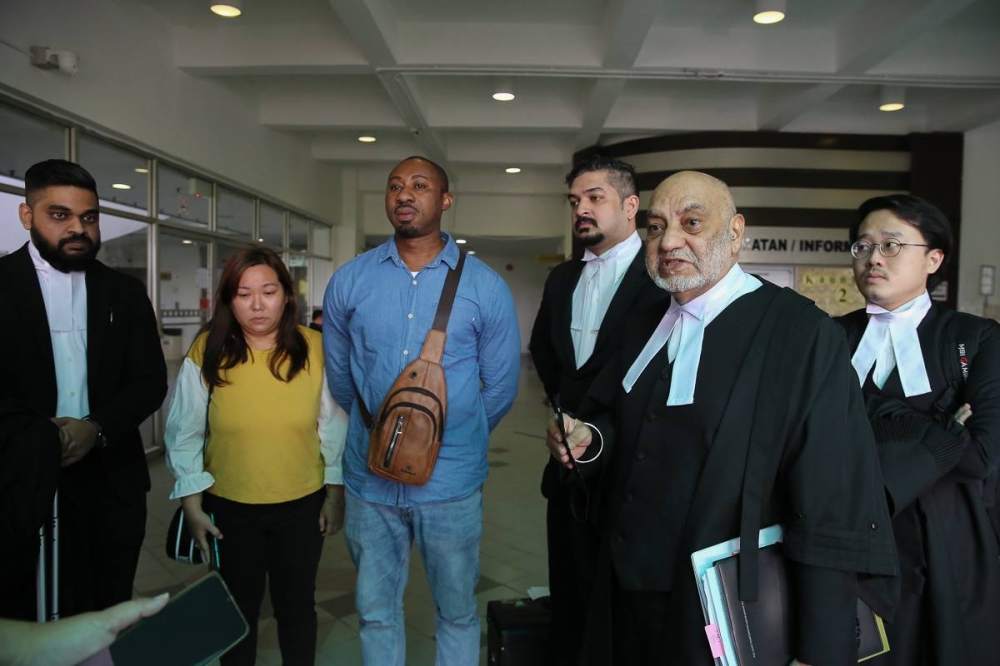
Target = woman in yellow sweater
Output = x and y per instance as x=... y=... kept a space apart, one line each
x=265 y=480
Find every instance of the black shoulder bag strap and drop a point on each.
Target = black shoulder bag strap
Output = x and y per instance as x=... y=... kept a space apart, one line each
x=440 y=322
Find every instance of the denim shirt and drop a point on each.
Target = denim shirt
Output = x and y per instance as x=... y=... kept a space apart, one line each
x=376 y=315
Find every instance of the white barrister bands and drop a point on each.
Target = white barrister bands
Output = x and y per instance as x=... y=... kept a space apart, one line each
x=684 y=327
x=890 y=341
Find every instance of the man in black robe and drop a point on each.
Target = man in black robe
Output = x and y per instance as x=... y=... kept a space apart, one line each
x=570 y=343
x=734 y=410
x=931 y=380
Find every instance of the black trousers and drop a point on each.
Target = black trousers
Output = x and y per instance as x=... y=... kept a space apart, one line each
x=99 y=543
x=100 y=538
x=572 y=547
x=283 y=542
x=638 y=618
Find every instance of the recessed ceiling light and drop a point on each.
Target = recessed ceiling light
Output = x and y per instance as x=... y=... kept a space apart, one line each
x=367 y=138
x=513 y=169
x=141 y=170
x=891 y=98
x=461 y=241
x=471 y=252
x=121 y=186
x=228 y=9
x=187 y=242
x=260 y=240
x=769 y=12
x=503 y=90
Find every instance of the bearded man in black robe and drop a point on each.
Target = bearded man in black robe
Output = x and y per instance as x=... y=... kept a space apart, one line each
x=734 y=409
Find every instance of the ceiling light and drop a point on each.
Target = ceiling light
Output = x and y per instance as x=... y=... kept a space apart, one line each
x=228 y=9
x=367 y=138
x=891 y=98
x=121 y=186
x=260 y=240
x=503 y=89
x=767 y=12
x=513 y=169
x=141 y=170
x=471 y=252
x=461 y=241
x=188 y=242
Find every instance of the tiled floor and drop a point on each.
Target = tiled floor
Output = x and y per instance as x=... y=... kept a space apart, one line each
x=513 y=549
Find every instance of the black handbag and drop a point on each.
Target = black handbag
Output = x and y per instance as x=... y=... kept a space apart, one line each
x=180 y=545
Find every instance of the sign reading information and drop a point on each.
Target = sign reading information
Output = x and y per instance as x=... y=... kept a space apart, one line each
x=784 y=245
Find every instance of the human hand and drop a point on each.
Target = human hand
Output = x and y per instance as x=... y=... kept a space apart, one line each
x=199 y=524
x=76 y=437
x=963 y=413
x=578 y=439
x=331 y=515
x=71 y=640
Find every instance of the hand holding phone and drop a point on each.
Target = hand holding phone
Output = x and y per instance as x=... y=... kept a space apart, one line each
x=200 y=624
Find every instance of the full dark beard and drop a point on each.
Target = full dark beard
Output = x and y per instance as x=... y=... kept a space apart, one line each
x=59 y=260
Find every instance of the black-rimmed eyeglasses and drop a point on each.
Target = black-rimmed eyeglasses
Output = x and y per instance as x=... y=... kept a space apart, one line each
x=888 y=248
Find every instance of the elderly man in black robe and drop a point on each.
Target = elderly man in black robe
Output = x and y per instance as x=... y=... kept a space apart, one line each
x=734 y=409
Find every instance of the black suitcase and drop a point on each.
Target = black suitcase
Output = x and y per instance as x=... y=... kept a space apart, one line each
x=518 y=632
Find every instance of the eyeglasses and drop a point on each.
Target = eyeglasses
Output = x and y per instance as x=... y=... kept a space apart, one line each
x=888 y=248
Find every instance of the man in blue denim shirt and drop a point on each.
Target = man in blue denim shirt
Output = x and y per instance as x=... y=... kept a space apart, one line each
x=378 y=309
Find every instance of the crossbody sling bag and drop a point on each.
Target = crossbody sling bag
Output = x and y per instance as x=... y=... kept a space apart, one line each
x=405 y=438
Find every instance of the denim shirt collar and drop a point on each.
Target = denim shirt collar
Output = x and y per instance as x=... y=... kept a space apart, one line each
x=448 y=254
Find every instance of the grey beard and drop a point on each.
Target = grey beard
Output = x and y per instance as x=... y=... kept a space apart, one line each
x=709 y=268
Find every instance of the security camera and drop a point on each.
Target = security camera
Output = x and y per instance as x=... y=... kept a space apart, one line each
x=67 y=61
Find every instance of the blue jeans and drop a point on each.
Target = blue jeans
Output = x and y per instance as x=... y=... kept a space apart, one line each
x=379 y=538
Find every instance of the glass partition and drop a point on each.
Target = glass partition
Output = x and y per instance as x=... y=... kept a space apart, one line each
x=272 y=226
x=122 y=176
x=234 y=214
x=24 y=140
x=298 y=233
x=183 y=198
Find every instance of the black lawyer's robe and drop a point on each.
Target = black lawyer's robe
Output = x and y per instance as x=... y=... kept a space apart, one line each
x=827 y=490
x=126 y=381
x=572 y=546
x=949 y=557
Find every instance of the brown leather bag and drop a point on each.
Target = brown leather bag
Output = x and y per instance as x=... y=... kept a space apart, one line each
x=405 y=438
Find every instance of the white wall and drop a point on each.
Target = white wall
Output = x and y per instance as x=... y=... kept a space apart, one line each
x=128 y=85
x=525 y=279
x=980 y=242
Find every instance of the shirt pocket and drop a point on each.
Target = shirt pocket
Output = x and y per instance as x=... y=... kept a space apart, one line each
x=464 y=328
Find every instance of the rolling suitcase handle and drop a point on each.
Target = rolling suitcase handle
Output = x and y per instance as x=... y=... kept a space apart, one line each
x=46 y=598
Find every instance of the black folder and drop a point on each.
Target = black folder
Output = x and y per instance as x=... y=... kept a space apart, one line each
x=762 y=630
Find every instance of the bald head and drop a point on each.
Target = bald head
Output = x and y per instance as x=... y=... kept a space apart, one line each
x=699 y=186
x=694 y=234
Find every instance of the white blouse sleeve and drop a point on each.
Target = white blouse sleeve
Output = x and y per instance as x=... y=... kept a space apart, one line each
x=332 y=427
x=184 y=433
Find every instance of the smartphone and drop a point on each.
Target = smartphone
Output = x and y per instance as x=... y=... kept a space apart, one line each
x=196 y=627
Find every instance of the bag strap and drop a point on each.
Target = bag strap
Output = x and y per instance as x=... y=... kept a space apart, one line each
x=448 y=295
x=208 y=430
x=433 y=347
x=366 y=416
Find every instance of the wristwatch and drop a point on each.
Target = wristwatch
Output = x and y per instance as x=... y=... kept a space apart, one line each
x=101 y=442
